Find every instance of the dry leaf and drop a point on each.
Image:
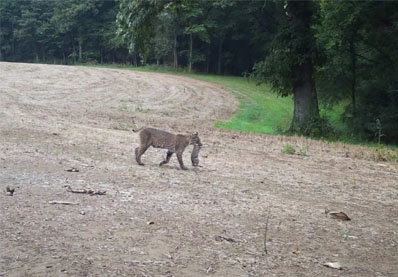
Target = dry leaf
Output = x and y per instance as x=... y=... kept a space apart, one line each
x=10 y=191
x=296 y=251
x=339 y=215
x=333 y=265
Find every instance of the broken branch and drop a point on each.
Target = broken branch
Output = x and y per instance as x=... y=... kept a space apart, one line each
x=86 y=191
x=63 y=203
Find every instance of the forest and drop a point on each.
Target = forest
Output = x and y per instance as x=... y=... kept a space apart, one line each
x=320 y=53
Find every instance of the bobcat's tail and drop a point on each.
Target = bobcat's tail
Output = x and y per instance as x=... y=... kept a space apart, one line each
x=136 y=130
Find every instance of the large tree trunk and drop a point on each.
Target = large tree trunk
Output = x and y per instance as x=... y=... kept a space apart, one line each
x=305 y=98
x=304 y=91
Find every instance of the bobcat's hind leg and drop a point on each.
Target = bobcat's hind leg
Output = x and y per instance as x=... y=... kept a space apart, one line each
x=139 y=151
x=169 y=154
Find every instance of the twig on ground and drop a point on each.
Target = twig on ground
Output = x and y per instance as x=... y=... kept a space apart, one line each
x=63 y=202
x=86 y=191
x=221 y=238
x=72 y=169
x=266 y=230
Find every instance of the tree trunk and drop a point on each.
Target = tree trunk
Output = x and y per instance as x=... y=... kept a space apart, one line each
x=37 y=58
x=80 y=50
x=13 y=40
x=304 y=92
x=219 y=61
x=43 y=51
x=208 y=58
x=353 y=76
x=190 y=52
x=305 y=98
x=74 y=53
x=1 y=55
x=135 y=60
x=175 y=61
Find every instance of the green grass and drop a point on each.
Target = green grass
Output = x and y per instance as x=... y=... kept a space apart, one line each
x=334 y=117
x=260 y=110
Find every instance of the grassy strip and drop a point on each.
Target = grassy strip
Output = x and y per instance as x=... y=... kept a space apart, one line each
x=262 y=111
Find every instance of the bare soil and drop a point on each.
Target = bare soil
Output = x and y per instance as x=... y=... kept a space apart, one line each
x=162 y=221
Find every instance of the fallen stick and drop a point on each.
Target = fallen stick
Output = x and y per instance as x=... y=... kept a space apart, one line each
x=63 y=203
x=86 y=191
x=266 y=230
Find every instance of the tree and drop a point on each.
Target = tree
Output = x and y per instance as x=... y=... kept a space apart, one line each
x=135 y=22
x=361 y=61
x=9 y=14
x=290 y=66
x=339 y=36
x=53 y=30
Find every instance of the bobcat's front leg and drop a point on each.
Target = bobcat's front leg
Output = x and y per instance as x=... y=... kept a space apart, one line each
x=179 y=157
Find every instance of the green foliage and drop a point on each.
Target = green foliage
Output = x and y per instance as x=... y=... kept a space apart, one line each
x=361 y=65
x=292 y=46
x=289 y=149
x=289 y=66
x=135 y=22
x=317 y=127
x=58 y=31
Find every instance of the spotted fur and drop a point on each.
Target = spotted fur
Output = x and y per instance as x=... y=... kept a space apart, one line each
x=162 y=139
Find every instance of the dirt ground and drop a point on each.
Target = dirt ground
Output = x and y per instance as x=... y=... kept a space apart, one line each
x=162 y=221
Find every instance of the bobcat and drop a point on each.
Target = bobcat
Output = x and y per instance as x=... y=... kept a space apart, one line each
x=162 y=139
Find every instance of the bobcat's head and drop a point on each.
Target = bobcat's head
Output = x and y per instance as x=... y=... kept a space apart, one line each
x=195 y=139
